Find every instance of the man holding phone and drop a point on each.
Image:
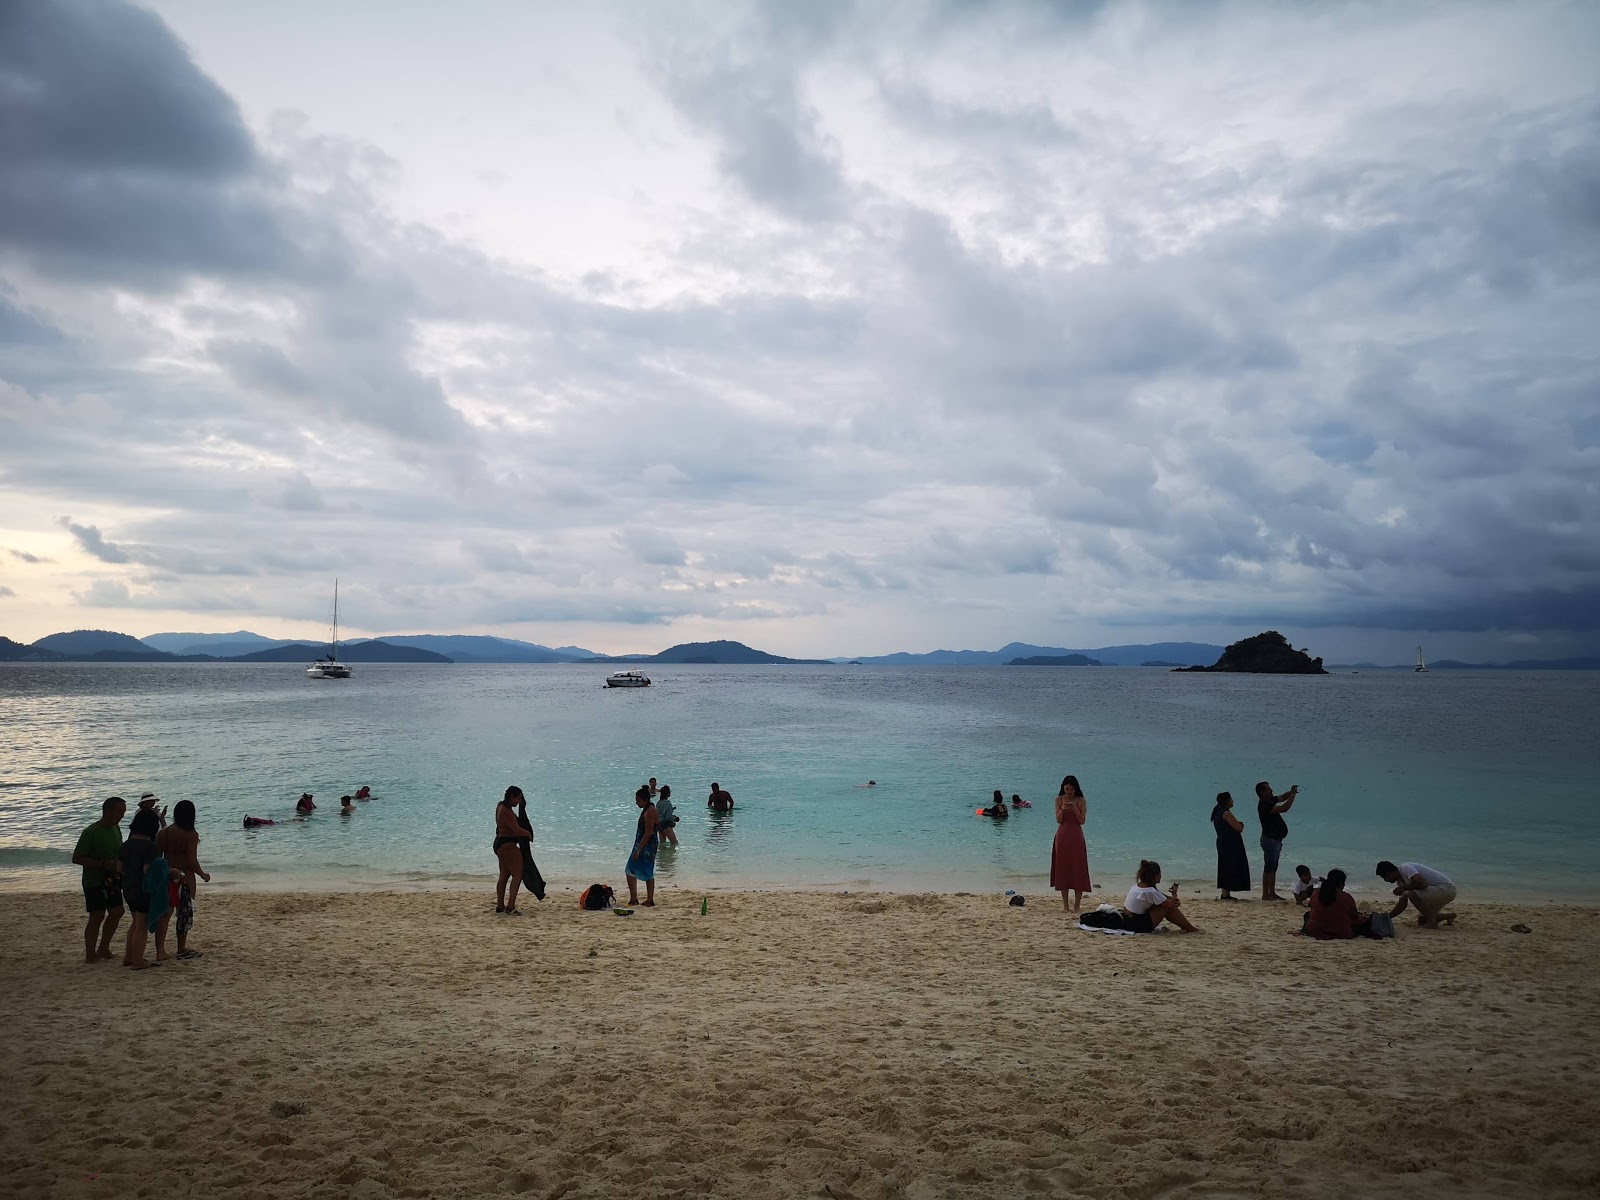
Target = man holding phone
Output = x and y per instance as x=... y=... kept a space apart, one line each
x=1270 y=810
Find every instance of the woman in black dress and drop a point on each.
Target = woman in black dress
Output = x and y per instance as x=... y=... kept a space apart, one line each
x=1233 y=865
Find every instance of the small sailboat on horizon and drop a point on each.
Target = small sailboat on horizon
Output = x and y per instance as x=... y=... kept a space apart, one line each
x=1422 y=667
x=331 y=667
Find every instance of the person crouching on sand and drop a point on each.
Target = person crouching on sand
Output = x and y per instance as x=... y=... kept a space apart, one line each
x=1146 y=907
x=1425 y=889
x=642 y=858
x=508 y=834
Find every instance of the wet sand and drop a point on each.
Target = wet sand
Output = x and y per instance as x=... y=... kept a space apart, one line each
x=793 y=1044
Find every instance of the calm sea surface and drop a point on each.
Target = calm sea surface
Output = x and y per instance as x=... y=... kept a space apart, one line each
x=1493 y=777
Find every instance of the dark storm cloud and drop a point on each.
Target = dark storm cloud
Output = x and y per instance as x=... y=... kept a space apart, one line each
x=122 y=161
x=91 y=541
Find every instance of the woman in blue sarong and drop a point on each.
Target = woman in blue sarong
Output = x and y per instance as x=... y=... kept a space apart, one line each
x=642 y=860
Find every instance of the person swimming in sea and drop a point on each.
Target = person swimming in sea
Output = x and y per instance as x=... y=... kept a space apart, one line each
x=998 y=809
x=305 y=804
x=1018 y=802
x=363 y=792
x=347 y=805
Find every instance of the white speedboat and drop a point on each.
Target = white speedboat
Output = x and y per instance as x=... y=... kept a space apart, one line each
x=627 y=679
x=330 y=667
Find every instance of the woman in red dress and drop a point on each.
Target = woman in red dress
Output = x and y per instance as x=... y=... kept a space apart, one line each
x=1069 y=856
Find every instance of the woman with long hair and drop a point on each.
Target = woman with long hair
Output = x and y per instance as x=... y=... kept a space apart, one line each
x=508 y=834
x=1334 y=916
x=1069 y=854
x=1146 y=905
x=180 y=845
x=1233 y=864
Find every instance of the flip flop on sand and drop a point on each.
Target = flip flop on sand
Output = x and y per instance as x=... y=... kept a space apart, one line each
x=188 y=954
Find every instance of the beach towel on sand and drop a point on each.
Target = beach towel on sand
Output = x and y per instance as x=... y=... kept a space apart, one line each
x=1120 y=932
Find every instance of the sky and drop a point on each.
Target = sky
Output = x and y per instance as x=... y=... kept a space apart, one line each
x=830 y=328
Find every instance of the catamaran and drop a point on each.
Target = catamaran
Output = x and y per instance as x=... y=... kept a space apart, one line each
x=1421 y=666
x=331 y=667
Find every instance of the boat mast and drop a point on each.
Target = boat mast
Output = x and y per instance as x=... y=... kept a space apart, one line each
x=333 y=655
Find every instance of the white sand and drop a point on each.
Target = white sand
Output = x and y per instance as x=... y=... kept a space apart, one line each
x=793 y=1044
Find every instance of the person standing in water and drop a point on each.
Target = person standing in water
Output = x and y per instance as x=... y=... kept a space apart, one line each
x=1069 y=853
x=1233 y=864
x=997 y=808
x=642 y=858
x=508 y=833
x=667 y=814
x=720 y=801
x=1274 y=829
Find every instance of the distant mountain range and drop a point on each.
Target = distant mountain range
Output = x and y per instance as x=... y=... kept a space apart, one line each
x=100 y=645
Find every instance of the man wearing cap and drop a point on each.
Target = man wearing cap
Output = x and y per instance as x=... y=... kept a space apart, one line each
x=99 y=853
x=149 y=800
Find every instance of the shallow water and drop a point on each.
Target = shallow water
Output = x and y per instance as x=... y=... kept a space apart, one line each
x=1489 y=776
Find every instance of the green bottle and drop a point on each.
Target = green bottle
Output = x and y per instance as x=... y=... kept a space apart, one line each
x=702 y=906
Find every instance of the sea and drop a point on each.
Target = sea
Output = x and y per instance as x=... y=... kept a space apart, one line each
x=1491 y=776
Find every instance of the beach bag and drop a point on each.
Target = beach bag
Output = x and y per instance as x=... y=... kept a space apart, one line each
x=1101 y=919
x=1017 y=901
x=1381 y=926
x=597 y=897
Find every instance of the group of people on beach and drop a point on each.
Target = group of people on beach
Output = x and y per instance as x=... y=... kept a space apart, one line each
x=658 y=822
x=153 y=874
x=1333 y=914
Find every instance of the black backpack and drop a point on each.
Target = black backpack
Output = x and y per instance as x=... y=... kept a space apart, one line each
x=598 y=896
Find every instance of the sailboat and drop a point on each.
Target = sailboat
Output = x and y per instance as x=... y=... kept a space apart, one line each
x=331 y=667
x=1421 y=666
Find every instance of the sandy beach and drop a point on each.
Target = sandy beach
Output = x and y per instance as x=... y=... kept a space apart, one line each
x=796 y=1044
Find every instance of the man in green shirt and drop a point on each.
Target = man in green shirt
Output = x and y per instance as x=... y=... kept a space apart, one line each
x=99 y=853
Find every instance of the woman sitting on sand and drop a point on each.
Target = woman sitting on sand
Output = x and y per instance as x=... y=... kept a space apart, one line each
x=508 y=835
x=1146 y=906
x=1334 y=916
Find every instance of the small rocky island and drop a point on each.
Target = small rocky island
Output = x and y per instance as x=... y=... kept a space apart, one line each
x=1267 y=653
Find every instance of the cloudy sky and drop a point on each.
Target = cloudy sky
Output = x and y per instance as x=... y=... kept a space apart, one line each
x=830 y=328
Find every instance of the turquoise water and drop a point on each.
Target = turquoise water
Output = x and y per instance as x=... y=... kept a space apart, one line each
x=1490 y=776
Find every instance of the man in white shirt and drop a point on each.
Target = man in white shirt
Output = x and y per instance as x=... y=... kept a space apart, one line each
x=1425 y=889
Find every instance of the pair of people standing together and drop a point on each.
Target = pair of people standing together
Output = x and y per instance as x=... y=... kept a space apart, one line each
x=1233 y=864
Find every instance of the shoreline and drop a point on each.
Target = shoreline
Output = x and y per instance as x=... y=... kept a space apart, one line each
x=282 y=883
x=894 y=1046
